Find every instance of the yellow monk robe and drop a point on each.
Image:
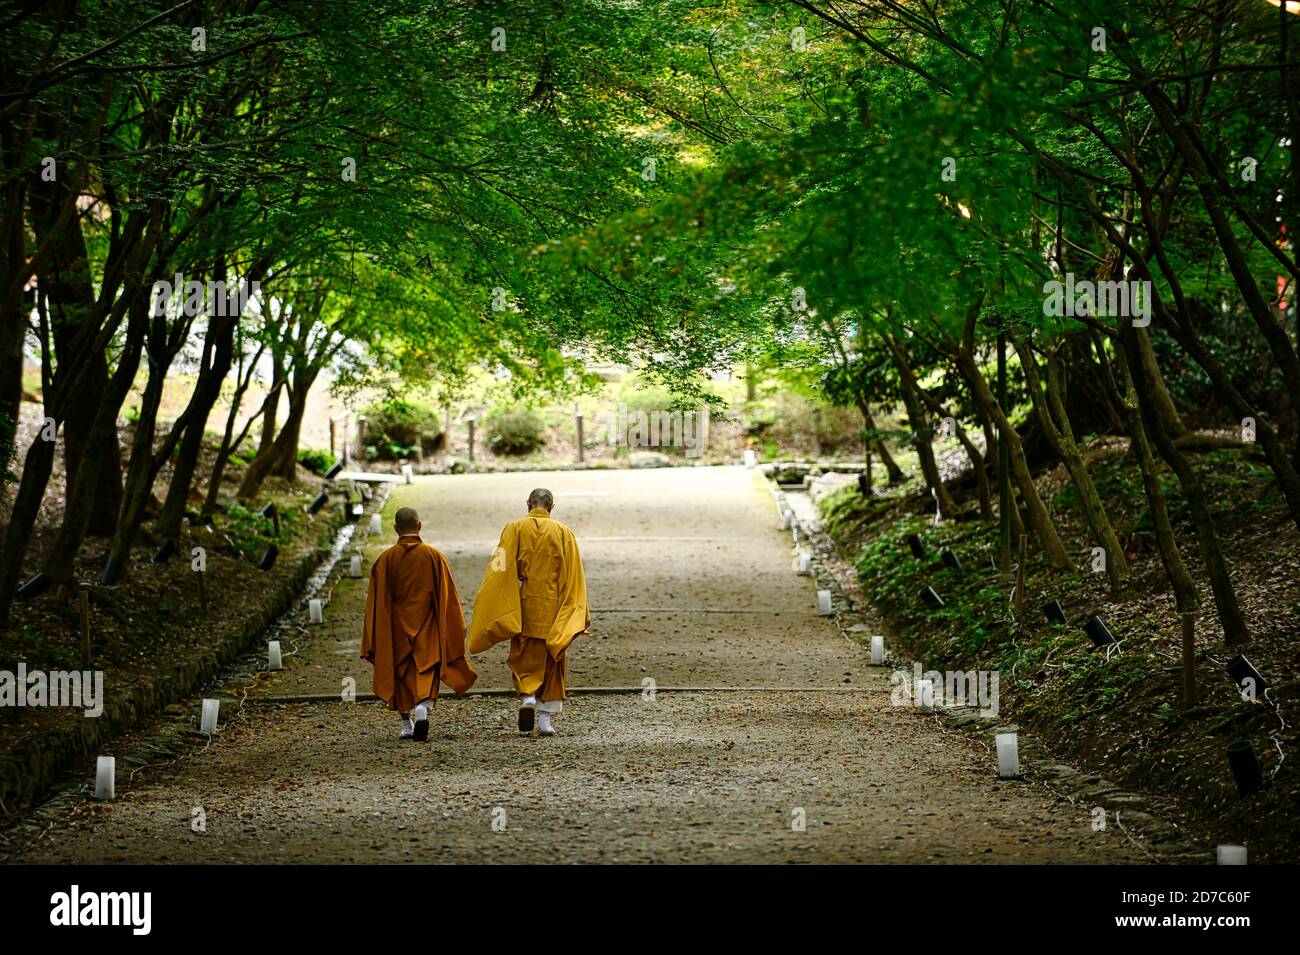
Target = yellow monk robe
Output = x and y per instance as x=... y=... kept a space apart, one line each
x=414 y=631
x=535 y=596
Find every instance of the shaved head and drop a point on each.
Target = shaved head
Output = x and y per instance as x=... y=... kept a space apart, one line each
x=406 y=520
x=540 y=497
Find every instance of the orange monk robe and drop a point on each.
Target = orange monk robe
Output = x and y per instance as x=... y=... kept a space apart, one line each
x=414 y=631
x=534 y=595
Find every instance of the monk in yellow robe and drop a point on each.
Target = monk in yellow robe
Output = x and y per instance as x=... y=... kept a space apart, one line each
x=414 y=630
x=534 y=595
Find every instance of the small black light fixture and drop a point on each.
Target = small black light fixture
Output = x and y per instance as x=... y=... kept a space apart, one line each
x=268 y=559
x=1054 y=612
x=1245 y=767
x=317 y=504
x=950 y=561
x=931 y=598
x=272 y=514
x=36 y=586
x=165 y=552
x=338 y=466
x=914 y=542
x=1100 y=633
x=863 y=487
x=1249 y=681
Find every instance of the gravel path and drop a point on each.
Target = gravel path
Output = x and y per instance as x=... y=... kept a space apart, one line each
x=691 y=585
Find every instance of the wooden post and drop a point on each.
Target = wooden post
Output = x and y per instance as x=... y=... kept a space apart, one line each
x=1189 y=660
x=1020 y=582
x=577 y=418
x=331 y=437
x=471 y=438
x=85 y=627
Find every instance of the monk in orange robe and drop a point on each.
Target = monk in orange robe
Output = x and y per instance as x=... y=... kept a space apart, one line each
x=414 y=630
x=534 y=595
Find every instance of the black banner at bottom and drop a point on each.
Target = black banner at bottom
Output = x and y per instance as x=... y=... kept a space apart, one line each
x=335 y=904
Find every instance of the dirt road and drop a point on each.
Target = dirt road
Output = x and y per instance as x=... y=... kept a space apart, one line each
x=691 y=585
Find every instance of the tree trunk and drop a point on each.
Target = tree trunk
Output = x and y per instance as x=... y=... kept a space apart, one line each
x=1275 y=451
x=106 y=475
x=1060 y=435
x=1235 y=631
x=206 y=392
x=27 y=504
x=13 y=262
x=1039 y=518
x=69 y=290
x=896 y=475
x=922 y=432
x=269 y=414
x=1180 y=581
x=1170 y=419
x=284 y=446
x=11 y=391
x=139 y=477
x=229 y=443
x=81 y=502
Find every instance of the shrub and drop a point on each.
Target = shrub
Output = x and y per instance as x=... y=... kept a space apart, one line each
x=800 y=425
x=397 y=427
x=249 y=533
x=665 y=422
x=315 y=460
x=514 y=430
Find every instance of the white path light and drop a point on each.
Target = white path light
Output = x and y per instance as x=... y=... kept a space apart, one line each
x=1232 y=855
x=785 y=519
x=273 y=658
x=407 y=473
x=105 y=777
x=354 y=566
x=824 y=602
x=877 y=651
x=751 y=458
x=805 y=563
x=1008 y=755
x=208 y=721
x=376 y=525
x=925 y=696
x=316 y=610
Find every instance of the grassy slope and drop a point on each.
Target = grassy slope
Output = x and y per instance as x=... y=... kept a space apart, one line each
x=1119 y=715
